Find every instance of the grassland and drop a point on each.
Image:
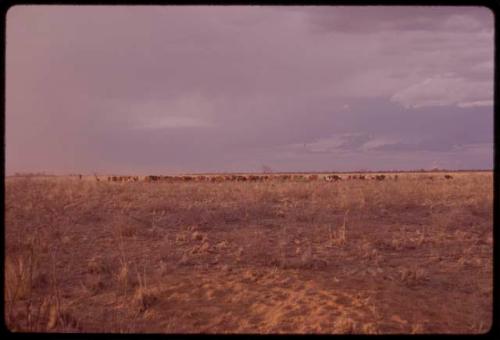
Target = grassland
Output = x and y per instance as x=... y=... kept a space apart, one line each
x=406 y=256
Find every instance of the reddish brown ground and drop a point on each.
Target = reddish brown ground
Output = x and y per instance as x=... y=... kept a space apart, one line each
x=406 y=256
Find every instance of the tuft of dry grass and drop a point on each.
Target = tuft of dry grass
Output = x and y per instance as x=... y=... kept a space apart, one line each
x=344 y=325
x=338 y=238
x=413 y=276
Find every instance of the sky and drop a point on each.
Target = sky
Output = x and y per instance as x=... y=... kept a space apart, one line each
x=176 y=89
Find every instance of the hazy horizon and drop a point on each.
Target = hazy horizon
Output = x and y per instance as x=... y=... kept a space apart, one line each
x=44 y=173
x=205 y=89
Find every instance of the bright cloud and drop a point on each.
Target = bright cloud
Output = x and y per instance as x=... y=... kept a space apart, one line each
x=377 y=143
x=175 y=122
x=445 y=90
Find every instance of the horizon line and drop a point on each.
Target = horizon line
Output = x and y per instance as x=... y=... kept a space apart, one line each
x=41 y=173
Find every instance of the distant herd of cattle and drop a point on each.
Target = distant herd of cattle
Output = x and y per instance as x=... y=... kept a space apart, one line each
x=251 y=178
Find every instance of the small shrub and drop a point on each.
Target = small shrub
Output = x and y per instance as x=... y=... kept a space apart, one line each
x=344 y=325
x=413 y=276
x=144 y=298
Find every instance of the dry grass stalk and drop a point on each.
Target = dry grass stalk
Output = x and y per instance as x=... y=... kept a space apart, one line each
x=144 y=297
x=339 y=237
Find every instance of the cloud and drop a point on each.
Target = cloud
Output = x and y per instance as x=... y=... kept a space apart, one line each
x=184 y=111
x=374 y=19
x=445 y=90
x=332 y=143
x=175 y=122
x=477 y=103
x=377 y=143
x=344 y=142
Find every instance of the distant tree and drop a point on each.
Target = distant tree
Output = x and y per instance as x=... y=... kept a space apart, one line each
x=266 y=169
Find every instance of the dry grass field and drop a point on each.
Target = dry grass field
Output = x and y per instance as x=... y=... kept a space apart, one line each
x=351 y=256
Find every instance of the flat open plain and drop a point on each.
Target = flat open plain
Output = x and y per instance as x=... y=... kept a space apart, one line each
x=412 y=255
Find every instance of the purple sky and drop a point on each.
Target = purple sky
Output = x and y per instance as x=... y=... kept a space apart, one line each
x=158 y=90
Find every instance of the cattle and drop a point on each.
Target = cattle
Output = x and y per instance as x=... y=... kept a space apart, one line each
x=395 y=177
x=330 y=178
x=313 y=177
x=122 y=178
x=448 y=176
x=380 y=177
x=361 y=176
x=151 y=178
